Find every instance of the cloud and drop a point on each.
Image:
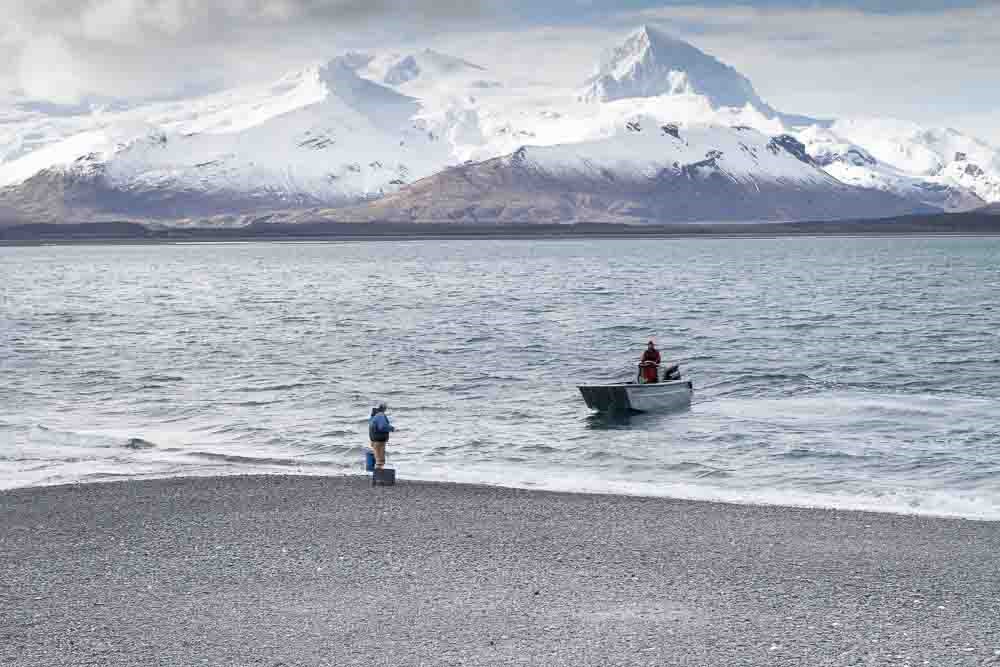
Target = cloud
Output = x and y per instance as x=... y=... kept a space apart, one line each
x=925 y=60
x=985 y=125
x=67 y=49
x=139 y=21
x=844 y=60
x=47 y=69
x=932 y=65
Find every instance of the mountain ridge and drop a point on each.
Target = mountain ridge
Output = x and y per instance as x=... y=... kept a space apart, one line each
x=591 y=183
x=354 y=129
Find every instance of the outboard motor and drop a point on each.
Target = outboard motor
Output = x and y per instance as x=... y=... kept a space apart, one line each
x=672 y=373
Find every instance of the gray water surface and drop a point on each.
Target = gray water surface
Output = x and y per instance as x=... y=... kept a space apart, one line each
x=837 y=372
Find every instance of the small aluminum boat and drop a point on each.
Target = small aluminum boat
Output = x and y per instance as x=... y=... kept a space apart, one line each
x=671 y=394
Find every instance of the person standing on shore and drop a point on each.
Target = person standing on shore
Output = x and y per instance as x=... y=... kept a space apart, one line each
x=379 y=429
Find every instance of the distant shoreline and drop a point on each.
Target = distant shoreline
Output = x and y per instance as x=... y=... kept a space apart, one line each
x=962 y=224
x=540 y=237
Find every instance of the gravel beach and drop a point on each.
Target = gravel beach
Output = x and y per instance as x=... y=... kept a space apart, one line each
x=330 y=571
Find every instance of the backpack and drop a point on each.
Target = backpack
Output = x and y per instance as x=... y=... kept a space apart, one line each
x=376 y=434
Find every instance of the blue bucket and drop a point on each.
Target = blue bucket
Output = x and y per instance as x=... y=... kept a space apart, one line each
x=369 y=460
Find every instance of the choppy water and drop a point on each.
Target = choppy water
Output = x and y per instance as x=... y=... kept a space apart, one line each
x=857 y=373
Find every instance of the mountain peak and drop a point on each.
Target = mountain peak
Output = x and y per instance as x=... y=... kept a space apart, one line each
x=396 y=69
x=654 y=36
x=652 y=62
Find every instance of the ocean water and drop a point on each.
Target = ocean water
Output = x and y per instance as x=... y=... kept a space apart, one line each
x=854 y=373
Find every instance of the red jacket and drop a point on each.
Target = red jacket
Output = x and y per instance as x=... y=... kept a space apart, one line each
x=649 y=373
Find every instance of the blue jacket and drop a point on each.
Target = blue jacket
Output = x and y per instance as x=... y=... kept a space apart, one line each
x=379 y=427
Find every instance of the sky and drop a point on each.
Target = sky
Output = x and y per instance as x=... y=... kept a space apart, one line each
x=932 y=62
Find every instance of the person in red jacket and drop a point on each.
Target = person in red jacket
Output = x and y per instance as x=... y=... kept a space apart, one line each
x=650 y=365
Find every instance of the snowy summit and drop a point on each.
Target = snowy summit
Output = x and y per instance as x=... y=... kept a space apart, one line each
x=651 y=62
x=660 y=132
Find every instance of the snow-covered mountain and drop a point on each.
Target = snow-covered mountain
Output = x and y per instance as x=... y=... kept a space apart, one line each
x=854 y=165
x=364 y=126
x=650 y=63
x=323 y=136
x=943 y=156
x=651 y=173
x=427 y=68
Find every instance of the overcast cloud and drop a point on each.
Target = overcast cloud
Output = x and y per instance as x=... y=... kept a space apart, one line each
x=920 y=65
x=933 y=62
x=66 y=49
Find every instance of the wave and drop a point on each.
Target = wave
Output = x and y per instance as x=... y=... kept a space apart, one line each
x=160 y=378
x=281 y=387
x=764 y=382
x=801 y=452
x=139 y=443
x=621 y=329
x=541 y=449
x=84 y=439
x=797 y=394
x=908 y=501
x=101 y=373
x=329 y=449
x=337 y=433
x=695 y=469
x=105 y=476
x=262 y=460
x=239 y=429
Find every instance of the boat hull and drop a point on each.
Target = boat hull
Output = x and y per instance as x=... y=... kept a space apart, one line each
x=662 y=396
